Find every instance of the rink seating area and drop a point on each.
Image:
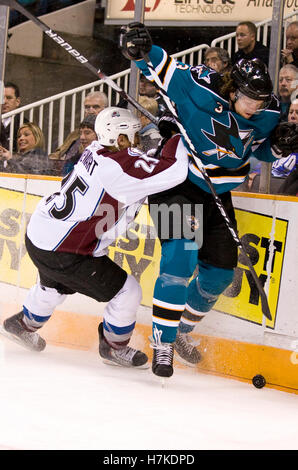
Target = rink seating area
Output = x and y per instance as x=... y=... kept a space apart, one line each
x=235 y=340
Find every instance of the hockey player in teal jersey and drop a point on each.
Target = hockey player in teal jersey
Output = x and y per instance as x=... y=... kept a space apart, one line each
x=228 y=119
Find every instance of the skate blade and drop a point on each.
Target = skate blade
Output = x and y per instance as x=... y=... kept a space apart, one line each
x=15 y=339
x=162 y=381
x=112 y=363
x=184 y=362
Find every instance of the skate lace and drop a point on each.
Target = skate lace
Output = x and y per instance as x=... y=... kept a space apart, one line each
x=164 y=351
x=33 y=337
x=164 y=355
x=125 y=353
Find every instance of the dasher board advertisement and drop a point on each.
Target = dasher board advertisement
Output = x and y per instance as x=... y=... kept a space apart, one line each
x=192 y=12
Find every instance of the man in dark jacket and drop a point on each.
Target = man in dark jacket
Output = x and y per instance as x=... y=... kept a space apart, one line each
x=248 y=46
x=12 y=101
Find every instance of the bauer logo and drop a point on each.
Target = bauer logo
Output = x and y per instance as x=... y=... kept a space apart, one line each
x=242 y=298
x=66 y=46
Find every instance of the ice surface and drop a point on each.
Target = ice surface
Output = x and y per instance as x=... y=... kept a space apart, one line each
x=68 y=399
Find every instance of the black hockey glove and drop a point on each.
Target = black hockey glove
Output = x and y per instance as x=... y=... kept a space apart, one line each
x=167 y=125
x=133 y=40
x=284 y=139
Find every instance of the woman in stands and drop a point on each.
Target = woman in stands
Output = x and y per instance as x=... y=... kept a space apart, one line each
x=31 y=157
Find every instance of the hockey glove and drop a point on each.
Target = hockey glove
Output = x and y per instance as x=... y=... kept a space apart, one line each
x=134 y=40
x=167 y=125
x=284 y=139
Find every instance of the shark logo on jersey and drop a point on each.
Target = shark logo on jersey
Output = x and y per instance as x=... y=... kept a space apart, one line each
x=229 y=140
x=202 y=72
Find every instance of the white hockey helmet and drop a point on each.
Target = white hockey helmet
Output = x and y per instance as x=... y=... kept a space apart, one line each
x=113 y=121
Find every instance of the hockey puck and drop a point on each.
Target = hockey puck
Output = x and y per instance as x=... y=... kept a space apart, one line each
x=259 y=381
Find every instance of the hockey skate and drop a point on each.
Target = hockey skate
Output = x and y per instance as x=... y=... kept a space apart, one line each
x=163 y=355
x=185 y=347
x=15 y=329
x=125 y=357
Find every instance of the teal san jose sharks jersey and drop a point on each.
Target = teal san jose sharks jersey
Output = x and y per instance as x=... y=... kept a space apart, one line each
x=224 y=140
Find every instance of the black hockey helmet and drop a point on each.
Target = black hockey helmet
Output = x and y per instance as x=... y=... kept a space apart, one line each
x=251 y=77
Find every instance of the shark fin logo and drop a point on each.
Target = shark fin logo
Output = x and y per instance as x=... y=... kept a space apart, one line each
x=201 y=72
x=229 y=140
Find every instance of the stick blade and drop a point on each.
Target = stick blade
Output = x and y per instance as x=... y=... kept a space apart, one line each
x=265 y=306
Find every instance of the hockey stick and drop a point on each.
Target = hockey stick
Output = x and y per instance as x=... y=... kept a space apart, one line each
x=78 y=56
x=198 y=163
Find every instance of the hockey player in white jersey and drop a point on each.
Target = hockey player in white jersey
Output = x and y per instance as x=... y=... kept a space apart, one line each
x=69 y=233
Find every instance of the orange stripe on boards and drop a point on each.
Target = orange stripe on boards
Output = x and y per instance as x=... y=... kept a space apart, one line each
x=31 y=177
x=275 y=197
x=228 y=358
x=224 y=357
x=245 y=360
x=67 y=329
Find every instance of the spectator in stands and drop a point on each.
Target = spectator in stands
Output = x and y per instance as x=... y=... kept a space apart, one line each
x=293 y=112
x=3 y=137
x=149 y=134
x=290 y=53
x=87 y=135
x=148 y=88
x=248 y=46
x=94 y=103
x=287 y=87
x=281 y=168
x=218 y=59
x=289 y=165
x=31 y=157
x=12 y=101
x=290 y=185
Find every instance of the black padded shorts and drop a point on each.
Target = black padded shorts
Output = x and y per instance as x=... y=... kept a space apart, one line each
x=219 y=247
x=99 y=278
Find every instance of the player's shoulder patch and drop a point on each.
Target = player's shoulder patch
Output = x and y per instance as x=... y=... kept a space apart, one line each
x=203 y=75
x=134 y=152
x=206 y=77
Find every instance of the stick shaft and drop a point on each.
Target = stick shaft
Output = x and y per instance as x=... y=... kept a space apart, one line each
x=77 y=56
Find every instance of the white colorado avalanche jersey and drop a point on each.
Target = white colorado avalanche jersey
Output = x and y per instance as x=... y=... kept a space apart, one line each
x=102 y=195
